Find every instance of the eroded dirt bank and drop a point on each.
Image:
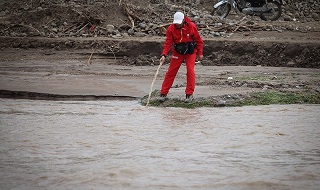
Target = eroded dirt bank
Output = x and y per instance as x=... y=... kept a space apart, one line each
x=266 y=49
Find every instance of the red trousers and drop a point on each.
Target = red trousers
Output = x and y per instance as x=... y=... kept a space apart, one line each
x=175 y=63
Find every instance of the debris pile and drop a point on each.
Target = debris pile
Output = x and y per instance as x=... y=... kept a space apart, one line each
x=124 y=18
x=302 y=10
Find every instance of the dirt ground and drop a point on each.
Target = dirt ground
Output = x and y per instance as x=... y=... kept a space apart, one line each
x=282 y=56
x=68 y=75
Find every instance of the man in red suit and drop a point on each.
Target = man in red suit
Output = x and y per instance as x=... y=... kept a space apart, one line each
x=183 y=39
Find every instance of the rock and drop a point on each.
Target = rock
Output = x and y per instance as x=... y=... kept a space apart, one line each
x=151 y=25
x=110 y=28
x=131 y=32
x=266 y=87
x=117 y=36
x=216 y=34
x=54 y=30
x=142 y=25
x=139 y=34
x=187 y=9
x=196 y=19
x=291 y=64
x=174 y=8
x=221 y=103
x=125 y=34
x=207 y=16
x=315 y=16
x=238 y=83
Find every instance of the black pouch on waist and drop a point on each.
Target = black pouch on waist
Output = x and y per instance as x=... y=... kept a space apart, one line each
x=182 y=48
x=191 y=47
x=185 y=48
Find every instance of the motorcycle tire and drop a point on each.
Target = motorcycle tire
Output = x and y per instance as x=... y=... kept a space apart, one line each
x=222 y=11
x=275 y=11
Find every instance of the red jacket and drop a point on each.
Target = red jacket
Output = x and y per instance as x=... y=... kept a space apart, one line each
x=187 y=33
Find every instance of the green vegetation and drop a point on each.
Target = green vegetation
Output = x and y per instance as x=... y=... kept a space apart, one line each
x=275 y=97
x=256 y=98
x=3 y=1
x=260 y=78
x=315 y=75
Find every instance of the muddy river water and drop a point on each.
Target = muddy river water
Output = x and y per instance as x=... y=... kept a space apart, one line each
x=123 y=145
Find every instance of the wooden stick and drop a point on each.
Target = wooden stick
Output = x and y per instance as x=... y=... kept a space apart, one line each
x=82 y=28
x=65 y=30
x=114 y=55
x=130 y=15
x=155 y=76
x=89 y=60
x=132 y=22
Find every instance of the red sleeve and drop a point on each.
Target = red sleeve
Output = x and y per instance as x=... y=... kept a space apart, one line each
x=169 y=41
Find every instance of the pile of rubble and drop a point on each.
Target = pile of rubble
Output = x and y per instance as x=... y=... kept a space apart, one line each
x=124 y=18
x=302 y=10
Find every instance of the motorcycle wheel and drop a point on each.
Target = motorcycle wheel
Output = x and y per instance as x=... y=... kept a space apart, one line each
x=222 y=11
x=274 y=13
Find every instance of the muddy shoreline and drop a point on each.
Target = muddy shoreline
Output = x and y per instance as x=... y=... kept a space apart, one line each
x=46 y=74
x=121 y=69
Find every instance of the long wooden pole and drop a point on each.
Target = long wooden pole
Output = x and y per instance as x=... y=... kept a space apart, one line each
x=154 y=79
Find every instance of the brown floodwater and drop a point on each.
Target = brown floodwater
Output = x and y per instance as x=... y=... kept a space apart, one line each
x=123 y=145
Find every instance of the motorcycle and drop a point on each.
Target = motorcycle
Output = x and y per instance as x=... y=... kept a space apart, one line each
x=265 y=9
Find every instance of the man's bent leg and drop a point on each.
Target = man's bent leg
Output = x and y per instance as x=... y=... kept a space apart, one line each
x=173 y=69
x=191 y=77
